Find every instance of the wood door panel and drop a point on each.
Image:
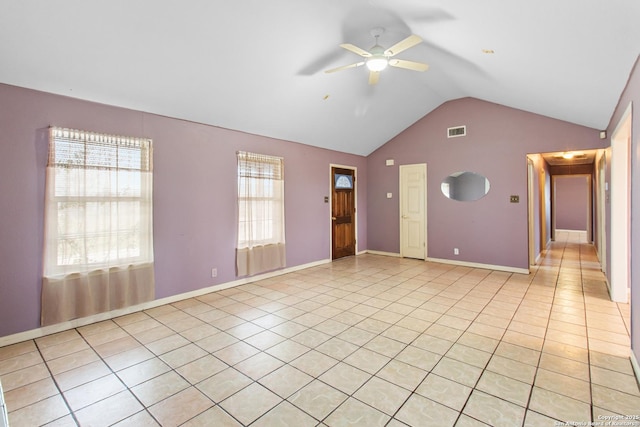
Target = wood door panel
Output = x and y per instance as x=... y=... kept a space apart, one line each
x=343 y=242
x=343 y=220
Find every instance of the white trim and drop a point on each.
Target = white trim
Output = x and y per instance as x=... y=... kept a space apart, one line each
x=464 y=131
x=620 y=208
x=461 y=263
x=76 y=323
x=539 y=258
x=601 y=193
x=391 y=254
x=636 y=366
x=531 y=170
x=479 y=265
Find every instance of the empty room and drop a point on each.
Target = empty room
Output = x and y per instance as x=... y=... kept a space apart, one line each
x=320 y=213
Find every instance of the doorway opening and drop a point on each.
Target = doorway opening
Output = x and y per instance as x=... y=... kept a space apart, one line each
x=546 y=212
x=343 y=211
x=572 y=204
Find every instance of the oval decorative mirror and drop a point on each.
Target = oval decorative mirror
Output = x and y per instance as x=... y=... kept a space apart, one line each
x=465 y=186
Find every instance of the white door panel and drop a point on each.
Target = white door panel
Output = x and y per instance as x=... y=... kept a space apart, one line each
x=413 y=218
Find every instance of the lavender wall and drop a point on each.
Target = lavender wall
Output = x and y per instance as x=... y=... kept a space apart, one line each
x=571 y=202
x=194 y=196
x=631 y=94
x=491 y=230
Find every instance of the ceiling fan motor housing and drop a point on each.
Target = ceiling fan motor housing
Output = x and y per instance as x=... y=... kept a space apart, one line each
x=378 y=60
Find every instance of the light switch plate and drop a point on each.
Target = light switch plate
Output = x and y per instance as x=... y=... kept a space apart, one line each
x=514 y=198
x=389 y=195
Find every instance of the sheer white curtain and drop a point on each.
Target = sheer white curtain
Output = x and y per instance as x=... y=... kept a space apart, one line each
x=98 y=248
x=261 y=244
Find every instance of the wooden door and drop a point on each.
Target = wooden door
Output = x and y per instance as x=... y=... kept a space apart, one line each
x=413 y=211
x=343 y=212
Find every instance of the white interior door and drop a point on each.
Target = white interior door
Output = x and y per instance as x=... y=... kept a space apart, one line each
x=413 y=211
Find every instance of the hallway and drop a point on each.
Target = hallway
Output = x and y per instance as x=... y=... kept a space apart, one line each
x=367 y=340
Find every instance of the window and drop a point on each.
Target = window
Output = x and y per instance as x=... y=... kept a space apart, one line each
x=343 y=182
x=261 y=242
x=98 y=217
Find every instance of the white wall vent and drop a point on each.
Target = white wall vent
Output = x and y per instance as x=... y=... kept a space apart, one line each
x=456 y=131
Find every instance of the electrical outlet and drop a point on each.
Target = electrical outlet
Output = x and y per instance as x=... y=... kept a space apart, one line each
x=214 y=272
x=456 y=251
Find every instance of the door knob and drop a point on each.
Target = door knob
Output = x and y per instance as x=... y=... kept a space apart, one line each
x=333 y=218
x=404 y=217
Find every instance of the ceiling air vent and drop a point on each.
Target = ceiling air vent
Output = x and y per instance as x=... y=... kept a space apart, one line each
x=456 y=131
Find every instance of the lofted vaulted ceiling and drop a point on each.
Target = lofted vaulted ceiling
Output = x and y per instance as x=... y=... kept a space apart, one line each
x=257 y=66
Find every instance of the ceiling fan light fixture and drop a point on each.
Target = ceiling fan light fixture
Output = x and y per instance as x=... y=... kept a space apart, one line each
x=377 y=63
x=568 y=155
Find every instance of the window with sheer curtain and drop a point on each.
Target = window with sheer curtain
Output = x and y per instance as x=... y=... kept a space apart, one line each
x=261 y=243
x=98 y=251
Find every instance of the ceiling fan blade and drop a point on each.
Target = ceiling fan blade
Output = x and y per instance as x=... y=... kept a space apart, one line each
x=403 y=45
x=356 y=50
x=344 y=67
x=409 y=65
x=373 y=77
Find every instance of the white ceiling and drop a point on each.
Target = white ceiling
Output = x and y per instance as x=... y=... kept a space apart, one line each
x=257 y=65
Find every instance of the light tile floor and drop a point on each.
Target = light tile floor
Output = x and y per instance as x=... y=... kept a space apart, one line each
x=364 y=341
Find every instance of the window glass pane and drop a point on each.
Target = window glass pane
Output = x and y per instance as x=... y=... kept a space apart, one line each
x=101 y=199
x=343 y=181
x=260 y=204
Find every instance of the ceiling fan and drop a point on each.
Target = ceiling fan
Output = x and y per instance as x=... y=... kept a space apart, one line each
x=377 y=58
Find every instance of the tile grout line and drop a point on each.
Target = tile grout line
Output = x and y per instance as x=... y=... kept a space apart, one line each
x=55 y=381
x=586 y=324
x=376 y=293
x=555 y=291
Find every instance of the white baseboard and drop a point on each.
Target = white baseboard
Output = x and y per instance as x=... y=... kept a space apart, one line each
x=479 y=265
x=392 y=254
x=461 y=263
x=636 y=366
x=76 y=323
x=538 y=258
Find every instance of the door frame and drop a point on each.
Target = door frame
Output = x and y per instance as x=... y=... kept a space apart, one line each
x=400 y=204
x=621 y=208
x=601 y=211
x=355 y=200
x=531 y=170
x=542 y=212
